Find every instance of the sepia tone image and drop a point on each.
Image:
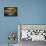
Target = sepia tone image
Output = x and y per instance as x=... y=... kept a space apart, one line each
x=10 y=11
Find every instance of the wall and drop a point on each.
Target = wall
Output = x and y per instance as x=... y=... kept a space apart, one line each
x=29 y=12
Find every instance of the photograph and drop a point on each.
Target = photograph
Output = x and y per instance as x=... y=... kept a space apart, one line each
x=10 y=11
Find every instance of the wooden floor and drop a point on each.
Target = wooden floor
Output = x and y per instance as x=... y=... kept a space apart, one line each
x=30 y=43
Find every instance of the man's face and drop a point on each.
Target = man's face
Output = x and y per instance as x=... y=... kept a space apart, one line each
x=10 y=11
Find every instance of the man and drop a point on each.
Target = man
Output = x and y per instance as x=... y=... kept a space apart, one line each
x=10 y=11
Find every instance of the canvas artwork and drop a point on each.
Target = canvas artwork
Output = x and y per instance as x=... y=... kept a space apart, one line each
x=33 y=32
x=10 y=11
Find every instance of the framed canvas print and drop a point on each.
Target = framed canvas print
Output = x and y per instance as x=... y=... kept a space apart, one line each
x=10 y=11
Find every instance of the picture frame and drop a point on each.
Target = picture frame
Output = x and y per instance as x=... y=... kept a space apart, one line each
x=10 y=11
